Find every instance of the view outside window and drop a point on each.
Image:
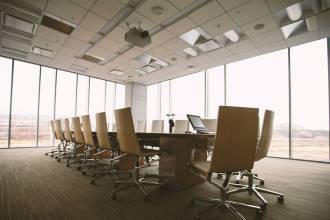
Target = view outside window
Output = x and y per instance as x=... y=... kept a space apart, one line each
x=120 y=95
x=262 y=82
x=96 y=99
x=310 y=101
x=188 y=95
x=5 y=82
x=152 y=102
x=165 y=103
x=216 y=90
x=82 y=95
x=46 y=109
x=110 y=103
x=24 y=104
x=65 y=94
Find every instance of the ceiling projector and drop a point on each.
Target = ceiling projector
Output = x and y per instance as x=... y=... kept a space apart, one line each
x=138 y=37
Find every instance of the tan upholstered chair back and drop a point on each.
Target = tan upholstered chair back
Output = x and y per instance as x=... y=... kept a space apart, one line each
x=114 y=127
x=141 y=126
x=210 y=124
x=266 y=135
x=236 y=139
x=58 y=129
x=127 y=139
x=157 y=126
x=181 y=126
x=52 y=127
x=87 y=130
x=67 y=130
x=78 y=134
x=102 y=131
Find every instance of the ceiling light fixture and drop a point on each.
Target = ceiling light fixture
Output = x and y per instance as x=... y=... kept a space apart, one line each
x=19 y=24
x=117 y=72
x=294 y=11
x=290 y=29
x=42 y=51
x=190 y=52
x=232 y=36
x=157 y=11
x=259 y=26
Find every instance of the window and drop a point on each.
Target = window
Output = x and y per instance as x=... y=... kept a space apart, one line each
x=310 y=101
x=188 y=95
x=216 y=91
x=165 y=99
x=110 y=104
x=82 y=95
x=262 y=82
x=5 y=82
x=96 y=98
x=152 y=102
x=65 y=94
x=24 y=104
x=120 y=95
x=46 y=109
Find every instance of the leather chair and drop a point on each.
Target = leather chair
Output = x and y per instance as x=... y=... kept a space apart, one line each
x=54 y=150
x=234 y=150
x=77 y=154
x=68 y=140
x=59 y=136
x=262 y=151
x=181 y=126
x=129 y=144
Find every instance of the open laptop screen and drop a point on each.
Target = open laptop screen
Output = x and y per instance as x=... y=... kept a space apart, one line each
x=196 y=122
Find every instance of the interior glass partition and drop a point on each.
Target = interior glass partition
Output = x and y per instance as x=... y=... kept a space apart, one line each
x=5 y=87
x=310 y=101
x=24 y=104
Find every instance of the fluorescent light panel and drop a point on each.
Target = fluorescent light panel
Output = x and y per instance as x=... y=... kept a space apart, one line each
x=294 y=11
x=117 y=72
x=42 y=51
x=19 y=24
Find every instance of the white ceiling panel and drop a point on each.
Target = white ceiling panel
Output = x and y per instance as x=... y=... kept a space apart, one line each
x=176 y=44
x=230 y=4
x=38 y=59
x=157 y=10
x=110 y=44
x=51 y=35
x=219 y=25
x=181 y=4
x=181 y=26
x=219 y=53
x=207 y=12
x=84 y=63
x=249 y=11
x=279 y=45
x=162 y=36
x=67 y=10
x=46 y=44
x=251 y=29
x=66 y=51
x=248 y=54
x=134 y=63
x=133 y=52
x=268 y=38
x=241 y=46
x=160 y=52
x=100 y=52
x=122 y=59
x=174 y=59
x=86 y=4
x=74 y=43
x=83 y=34
x=93 y=22
x=137 y=20
x=118 y=34
x=13 y=44
x=107 y=8
x=276 y=5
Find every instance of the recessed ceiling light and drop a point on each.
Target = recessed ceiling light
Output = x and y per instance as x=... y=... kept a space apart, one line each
x=158 y=11
x=42 y=51
x=208 y=45
x=58 y=24
x=117 y=72
x=259 y=26
x=294 y=11
x=232 y=36
x=92 y=58
x=190 y=52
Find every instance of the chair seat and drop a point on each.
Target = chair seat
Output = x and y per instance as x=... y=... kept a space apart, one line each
x=149 y=152
x=203 y=166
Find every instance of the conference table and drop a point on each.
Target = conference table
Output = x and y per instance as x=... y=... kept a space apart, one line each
x=178 y=151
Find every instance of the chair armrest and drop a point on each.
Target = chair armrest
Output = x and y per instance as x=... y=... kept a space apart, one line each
x=102 y=154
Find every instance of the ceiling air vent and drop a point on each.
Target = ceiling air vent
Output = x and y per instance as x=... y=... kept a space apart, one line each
x=42 y=51
x=92 y=58
x=58 y=23
x=19 y=24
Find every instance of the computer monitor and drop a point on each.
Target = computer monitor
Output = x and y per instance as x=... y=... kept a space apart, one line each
x=196 y=123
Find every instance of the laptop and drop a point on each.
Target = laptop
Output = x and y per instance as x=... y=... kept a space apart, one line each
x=197 y=124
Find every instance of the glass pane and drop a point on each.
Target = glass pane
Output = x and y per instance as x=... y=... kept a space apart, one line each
x=82 y=95
x=96 y=98
x=46 y=109
x=152 y=102
x=5 y=82
x=120 y=95
x=253 y=83
x=24 y=105
x=310 y=107
x=65 y=94
x=165 y=99
x=216 y=92
x=110 y=101
x=188 y=95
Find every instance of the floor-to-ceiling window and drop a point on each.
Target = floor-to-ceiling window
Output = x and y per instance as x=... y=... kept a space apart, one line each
x=82 y=95
x=110 y=104
x=152 y=102
x=310 y=101
x=24 y=104
x=120 y=95
x=5 y=87
x=46 y=106
x=96 y=98
x=215 y=90
x=262 y=82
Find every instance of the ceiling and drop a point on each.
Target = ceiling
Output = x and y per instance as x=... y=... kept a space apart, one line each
x=100 y=27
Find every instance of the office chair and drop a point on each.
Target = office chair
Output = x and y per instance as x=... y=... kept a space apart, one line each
x=181 y=126
x=157 y=126
x=262 y=151
x=77 y=154
x=234 y=150
x=141 y=126
x=67 y=139
x=52 y=151
x=60 y=137
x=129 y=144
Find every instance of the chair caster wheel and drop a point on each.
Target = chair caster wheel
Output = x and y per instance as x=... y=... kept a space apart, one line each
x=92 y=181
x=67 y=165
x=115 y=185
x=78 y=168
x=113 y=195
x=51 y=155
x=146 y=198
x=280 y=199
x=219 y=176
x=237 y=182
x=263 y=207
x=83 y=173
x=46 y=154
x=58 y=160
x=192 y=203
x=262 y=182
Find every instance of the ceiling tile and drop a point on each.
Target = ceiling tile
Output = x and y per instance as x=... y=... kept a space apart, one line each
x=219 y=25
x=249 y=11
x=323 y=19
x=181 y=26
x=34 y=58
x=160 y=52
x=118 y=34
x=109 y=44
x=174 y=59
x=137 y=20
x=219 y=53
x=134 y=63
x=66 y=51
x=181 y=4
x=46 y=44
x=107 y=8
x=162 y=36
x=121 y=60
x=93 y=22
x=276 y=5
x=267 y=38
x=241 y=46
x=206 y=12
x=149 y=6
x=51 y=35
x=200 y=60
x=176 y=44
x=74 y=43
x=248 y=54
x=66 y=10
x=268 y=22
x=87 y=4
x=302 y=38
x=84 y=63
x=100 y=52
x=149 y=47
x=83 y=34
x=133 y=52
x=229 y=4
x=279 y=45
